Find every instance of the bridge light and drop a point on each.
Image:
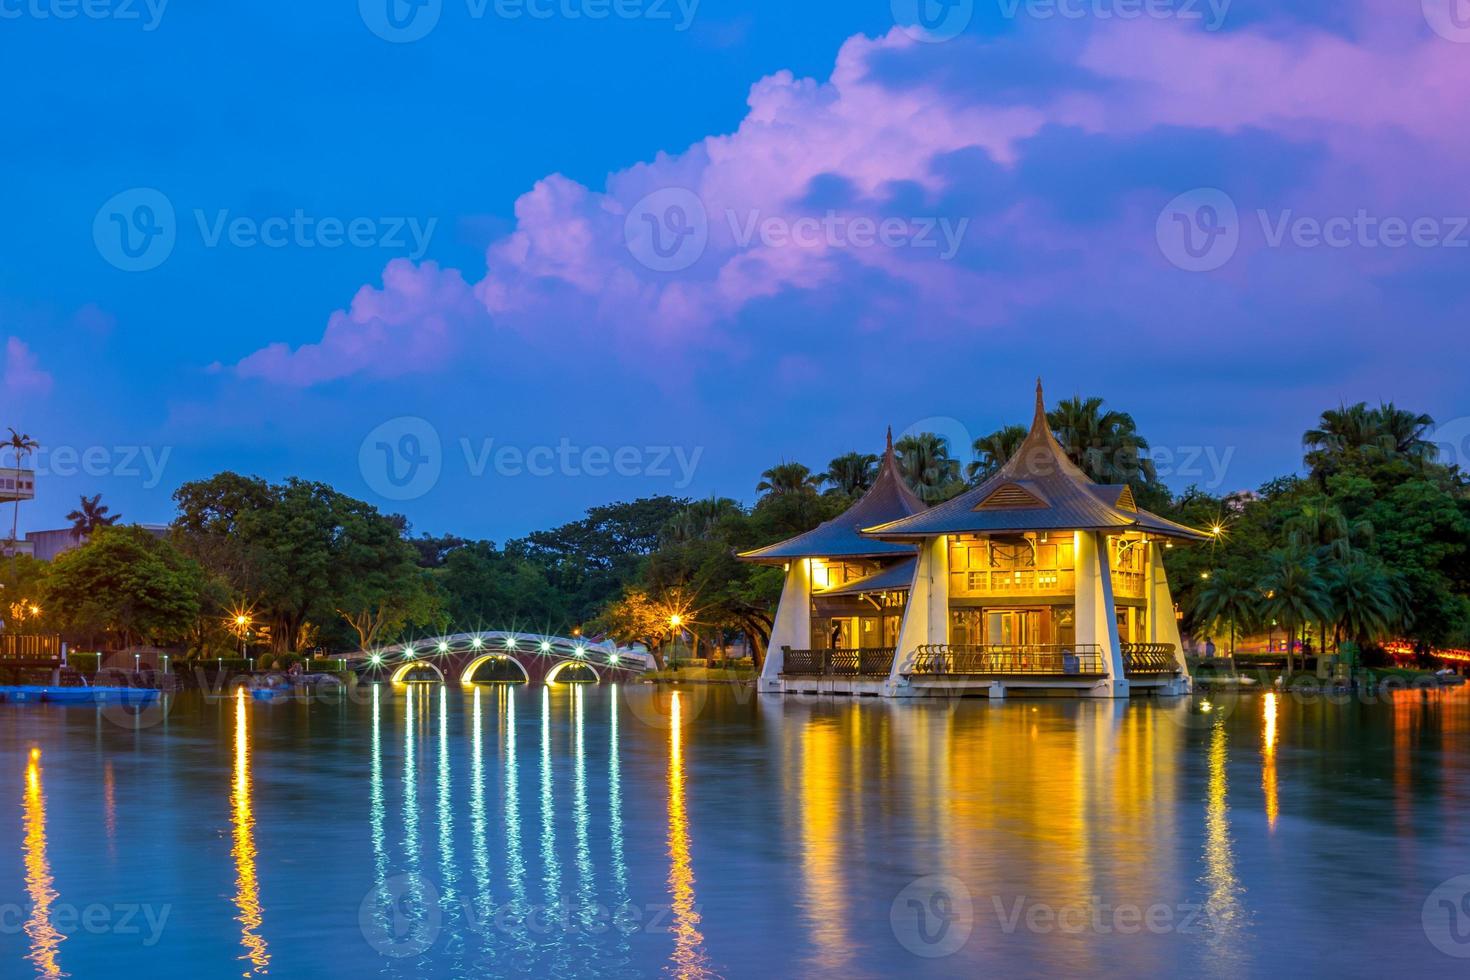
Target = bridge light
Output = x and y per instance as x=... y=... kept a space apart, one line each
x=545 y=646
x=510 y=643
x=409 y=651
x=443 y=647
x=581 y=651
x=612 y=658
x=477 y=643
x=377 y=660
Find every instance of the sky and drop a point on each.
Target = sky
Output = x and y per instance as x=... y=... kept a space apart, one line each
x=488 y=263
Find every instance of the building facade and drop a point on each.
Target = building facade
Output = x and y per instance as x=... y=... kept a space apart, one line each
x=1038 y=580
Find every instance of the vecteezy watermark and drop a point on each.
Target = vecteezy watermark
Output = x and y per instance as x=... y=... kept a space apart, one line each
x=404 y=916
x=933 y=20
x=1446 y=917
x=123 y=462
x=1451 y=440
x=1210 y=14
x=148 y=13
x=1200 y=231
x=1450 y=19
x=405 y=21
x=933 y=916
x=1100 y=918
x=403 y=459
x=97 y=919
x=669 y=230
x=138 y=229
x=834 y=230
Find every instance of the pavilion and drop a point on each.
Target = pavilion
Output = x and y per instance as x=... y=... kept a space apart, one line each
x=1037 y=581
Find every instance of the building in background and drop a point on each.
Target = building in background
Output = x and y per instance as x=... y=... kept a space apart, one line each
x=15 y=485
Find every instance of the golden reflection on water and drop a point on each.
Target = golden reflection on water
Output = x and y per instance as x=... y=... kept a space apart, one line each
x=109 y=809
x=821 y=816
x=1223 y=904
x=45 y=938
x=1268 y=760
x=247 y=887
x=689 y=959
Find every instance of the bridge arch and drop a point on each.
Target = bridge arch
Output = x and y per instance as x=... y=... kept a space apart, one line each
x=555 y=672
x=467 y=678
x=408 y=666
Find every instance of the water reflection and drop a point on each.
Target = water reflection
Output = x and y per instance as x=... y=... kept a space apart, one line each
x=580 y=812
x=1268 y=760
x=615 y=802
x=514 y=858
x=689 y=958
x=45 y=938
x=1223 y=906
x=109 y=809
x=247 y=888
x=551 y=877
x=478 y=843
x=375 y=791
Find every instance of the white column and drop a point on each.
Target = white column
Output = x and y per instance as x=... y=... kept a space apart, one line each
x=793 y=625
x=1163 y=627
x=926 y=617
x=1096 y=618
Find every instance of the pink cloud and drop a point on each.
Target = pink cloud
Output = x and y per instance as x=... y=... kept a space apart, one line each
x=23 y=374
x=566 y=275
x=408 y=326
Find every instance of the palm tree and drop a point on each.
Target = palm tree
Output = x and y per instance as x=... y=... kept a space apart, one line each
x=1367 y=603
x=851 y=473
x=925 y=463
x=786 y=478
x=1402 y=433
x=992 y=452
x=21 y=445
x=1227 y=598
x=90 y=516
x=700 y=520
x=1105 y=444
x=1295 y=595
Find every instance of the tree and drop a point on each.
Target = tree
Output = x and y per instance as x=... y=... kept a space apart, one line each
x=481 y=587
x=992 y=452
x=788 y=478
x=1367 y=604
x=1350 y=435
x=378 y=585
x=927 y=467
x=126 y=582
x=91 y=515
x=1226 y=598
x=1105 y=444
x=21 y=445
x=851 y=473
x=1295 y=595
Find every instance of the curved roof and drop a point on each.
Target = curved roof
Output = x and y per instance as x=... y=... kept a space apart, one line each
x=1038 y=489
x=888 y=499
x=898 y=577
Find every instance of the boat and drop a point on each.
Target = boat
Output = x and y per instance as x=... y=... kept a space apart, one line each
x=34 y=694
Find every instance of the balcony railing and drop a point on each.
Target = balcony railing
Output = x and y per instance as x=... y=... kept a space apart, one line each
x=1041 y=659
x=30 y=648
x=1149 y=658
x=872 y=662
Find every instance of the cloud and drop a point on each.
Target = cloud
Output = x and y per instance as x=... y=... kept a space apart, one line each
x=1058 y=177
x=23 y=374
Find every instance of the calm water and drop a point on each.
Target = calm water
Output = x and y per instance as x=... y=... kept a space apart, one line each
x=597 y=832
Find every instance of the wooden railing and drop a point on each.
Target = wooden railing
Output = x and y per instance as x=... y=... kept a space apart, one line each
x=1053 y=659
x=1021 y=581
x=1149 y=658
x=30 y=648
x=870 y=662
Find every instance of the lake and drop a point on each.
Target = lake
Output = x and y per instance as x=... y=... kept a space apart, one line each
x=630 y=832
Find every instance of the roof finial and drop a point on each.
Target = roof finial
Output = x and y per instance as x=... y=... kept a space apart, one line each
x=1040 y=418
x=890 y=439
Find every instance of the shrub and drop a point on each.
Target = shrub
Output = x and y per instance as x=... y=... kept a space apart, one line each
x=265 y=661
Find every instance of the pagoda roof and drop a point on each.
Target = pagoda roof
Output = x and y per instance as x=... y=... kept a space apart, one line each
x=888 y=499
x=897 y=577
x=1038 y=489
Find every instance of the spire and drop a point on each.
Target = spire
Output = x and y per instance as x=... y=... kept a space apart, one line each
x=1039 y=420
x=889 y=450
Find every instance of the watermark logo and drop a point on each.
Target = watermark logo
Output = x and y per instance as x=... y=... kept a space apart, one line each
x=401 y=21
x=1199 y=231
x=136 y=230
x=933 y=917
x=1210 y=14
x=402 y=916
x=147 y=12
x=838 y=231
x=1450 y=19
x=933 y=20
x=1452 y=440
x=402 y=458
x=668 y=230
x=1446 y=917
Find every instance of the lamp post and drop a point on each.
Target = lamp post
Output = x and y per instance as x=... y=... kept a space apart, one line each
x=676 y=622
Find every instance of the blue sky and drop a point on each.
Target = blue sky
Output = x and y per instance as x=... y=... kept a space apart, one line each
x=523 y=148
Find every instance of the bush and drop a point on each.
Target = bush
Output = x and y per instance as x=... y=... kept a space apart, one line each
x=84 y=663
x=265 y=661
x=288 y=660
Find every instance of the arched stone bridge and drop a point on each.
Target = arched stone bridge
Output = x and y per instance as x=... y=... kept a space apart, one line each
x=535 y=657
